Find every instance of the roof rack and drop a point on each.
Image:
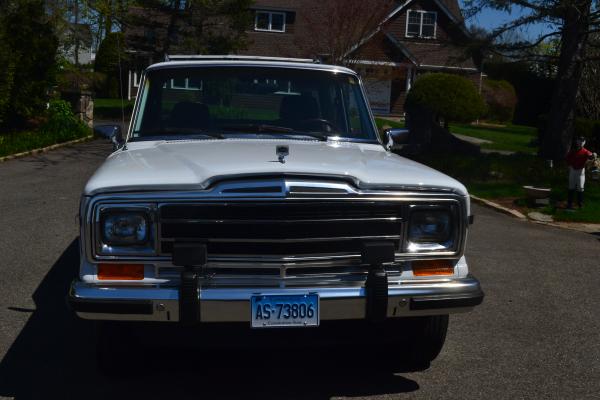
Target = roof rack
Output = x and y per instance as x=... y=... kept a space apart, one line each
x=181 y=57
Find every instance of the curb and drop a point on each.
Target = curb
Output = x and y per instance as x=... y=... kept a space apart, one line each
x=498 y=207
x=521 y=216
x=45 y=149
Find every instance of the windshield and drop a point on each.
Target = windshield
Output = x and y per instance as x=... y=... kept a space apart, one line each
x=263 y=102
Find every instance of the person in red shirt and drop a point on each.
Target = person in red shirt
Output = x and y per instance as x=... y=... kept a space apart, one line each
x=576 y=160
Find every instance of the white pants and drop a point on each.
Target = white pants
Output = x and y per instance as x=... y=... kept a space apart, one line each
x=576 y=179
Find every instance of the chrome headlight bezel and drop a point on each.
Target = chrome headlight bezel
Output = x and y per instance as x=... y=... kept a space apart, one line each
x=448 y=242
x=105 y=248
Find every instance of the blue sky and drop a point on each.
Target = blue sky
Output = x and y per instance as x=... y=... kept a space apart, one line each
x=490 y=19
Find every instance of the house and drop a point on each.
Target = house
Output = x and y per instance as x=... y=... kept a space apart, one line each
x=413 y=37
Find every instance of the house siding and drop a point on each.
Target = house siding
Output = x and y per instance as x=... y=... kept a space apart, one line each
x=397 y=25
x=400 y=56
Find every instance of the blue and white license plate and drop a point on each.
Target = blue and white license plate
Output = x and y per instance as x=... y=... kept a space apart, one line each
x=285 y=311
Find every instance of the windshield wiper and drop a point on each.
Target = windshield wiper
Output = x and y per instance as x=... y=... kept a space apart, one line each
x=180 y=133
x=260 y=128
x=266 y=128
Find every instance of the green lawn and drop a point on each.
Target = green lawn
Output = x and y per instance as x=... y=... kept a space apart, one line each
x=18 y=142
x=381 y=122
x=111 y=108
x=499 y=177
x=516 y=138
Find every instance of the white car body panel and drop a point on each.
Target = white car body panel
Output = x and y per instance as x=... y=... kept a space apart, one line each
x=193 y=164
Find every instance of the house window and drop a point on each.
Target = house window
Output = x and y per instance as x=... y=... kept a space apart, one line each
x=269 y=21
x=186 y=84
x=421 y=24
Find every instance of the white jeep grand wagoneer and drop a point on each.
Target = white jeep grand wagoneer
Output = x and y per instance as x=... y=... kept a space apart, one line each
x=259 y=191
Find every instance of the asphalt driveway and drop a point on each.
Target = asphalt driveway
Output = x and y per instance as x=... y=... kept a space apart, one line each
x=537 y=335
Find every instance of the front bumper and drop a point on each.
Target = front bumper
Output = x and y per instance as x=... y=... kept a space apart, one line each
x=160 y=303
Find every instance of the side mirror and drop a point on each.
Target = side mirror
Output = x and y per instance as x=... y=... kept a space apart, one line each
x=112 y=133
x=396 y=137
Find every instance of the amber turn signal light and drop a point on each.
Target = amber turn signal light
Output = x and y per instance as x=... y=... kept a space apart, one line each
x=125 y=272
x=432 y=267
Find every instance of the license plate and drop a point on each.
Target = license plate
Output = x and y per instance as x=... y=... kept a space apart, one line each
x=285 y=311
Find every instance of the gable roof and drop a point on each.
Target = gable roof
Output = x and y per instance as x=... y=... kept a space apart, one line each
x=433 y=55
x=449 y=7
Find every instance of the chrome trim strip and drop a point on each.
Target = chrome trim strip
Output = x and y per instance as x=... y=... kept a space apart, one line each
x=233 y=304
x=270 y=221
x=308 y=240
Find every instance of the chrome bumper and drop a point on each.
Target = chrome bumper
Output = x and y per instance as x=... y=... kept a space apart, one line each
x=156 y=303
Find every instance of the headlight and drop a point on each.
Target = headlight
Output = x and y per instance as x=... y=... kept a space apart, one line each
x=430 y=226
x=432 y=229
x=125 y=228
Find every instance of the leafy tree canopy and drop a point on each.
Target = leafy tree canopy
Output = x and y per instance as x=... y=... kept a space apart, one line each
x=28 y=51
x=569 y=25
x=110 y=53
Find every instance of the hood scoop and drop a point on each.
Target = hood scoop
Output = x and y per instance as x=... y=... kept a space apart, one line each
x=281 y=187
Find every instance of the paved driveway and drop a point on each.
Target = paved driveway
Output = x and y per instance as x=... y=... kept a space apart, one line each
x=537 y=335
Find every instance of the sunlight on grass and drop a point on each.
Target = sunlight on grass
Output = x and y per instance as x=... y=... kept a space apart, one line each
x=381 y=122
x=515 y=138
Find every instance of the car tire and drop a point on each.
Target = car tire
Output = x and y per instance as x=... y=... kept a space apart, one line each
x=113 y=344
x=422 y=341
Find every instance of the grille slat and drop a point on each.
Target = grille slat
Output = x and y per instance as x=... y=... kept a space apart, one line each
x=279 y=230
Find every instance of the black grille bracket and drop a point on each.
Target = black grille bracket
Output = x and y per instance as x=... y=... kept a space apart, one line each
x=193 y=257
x=375 y=254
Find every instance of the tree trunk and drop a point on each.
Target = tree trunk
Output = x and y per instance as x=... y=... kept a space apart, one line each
x=108 y=22
x=172 y=28
x=558 y=135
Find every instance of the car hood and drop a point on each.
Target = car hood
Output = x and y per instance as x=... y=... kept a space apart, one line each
x=195 y=164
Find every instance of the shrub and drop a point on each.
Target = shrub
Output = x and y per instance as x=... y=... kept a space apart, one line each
x=62 y=124
x=449 y=97
x=501 y=100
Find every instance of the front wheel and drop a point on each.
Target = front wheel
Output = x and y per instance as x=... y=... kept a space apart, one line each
x=423 y=339
x=113 y=348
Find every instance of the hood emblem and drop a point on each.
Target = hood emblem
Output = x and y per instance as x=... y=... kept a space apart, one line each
x=282 y=152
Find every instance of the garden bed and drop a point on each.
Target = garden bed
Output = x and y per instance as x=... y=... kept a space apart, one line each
x=500 y=178
x=61 y=126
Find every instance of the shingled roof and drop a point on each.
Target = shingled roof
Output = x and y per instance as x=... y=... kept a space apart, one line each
x=454 y=8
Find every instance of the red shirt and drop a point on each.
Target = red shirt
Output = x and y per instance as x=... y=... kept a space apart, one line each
x=577 y=158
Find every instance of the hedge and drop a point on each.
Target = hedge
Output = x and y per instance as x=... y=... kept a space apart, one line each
x=501 y=99
x=450 y=97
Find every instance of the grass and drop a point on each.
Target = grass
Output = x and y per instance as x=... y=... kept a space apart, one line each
x=111 y=108
x=589 y=213
x=387 y=123
x=501 y=178
x=18 y=142
x=515 y=138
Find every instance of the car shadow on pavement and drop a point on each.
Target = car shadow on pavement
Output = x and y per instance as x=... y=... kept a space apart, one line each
x=54 y=357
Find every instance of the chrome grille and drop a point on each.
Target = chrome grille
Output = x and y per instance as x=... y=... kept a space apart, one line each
x=342 y=276
x=279 y=231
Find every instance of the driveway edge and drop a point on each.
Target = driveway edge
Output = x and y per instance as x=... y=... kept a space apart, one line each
x=45 y=149
x=498 y=207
